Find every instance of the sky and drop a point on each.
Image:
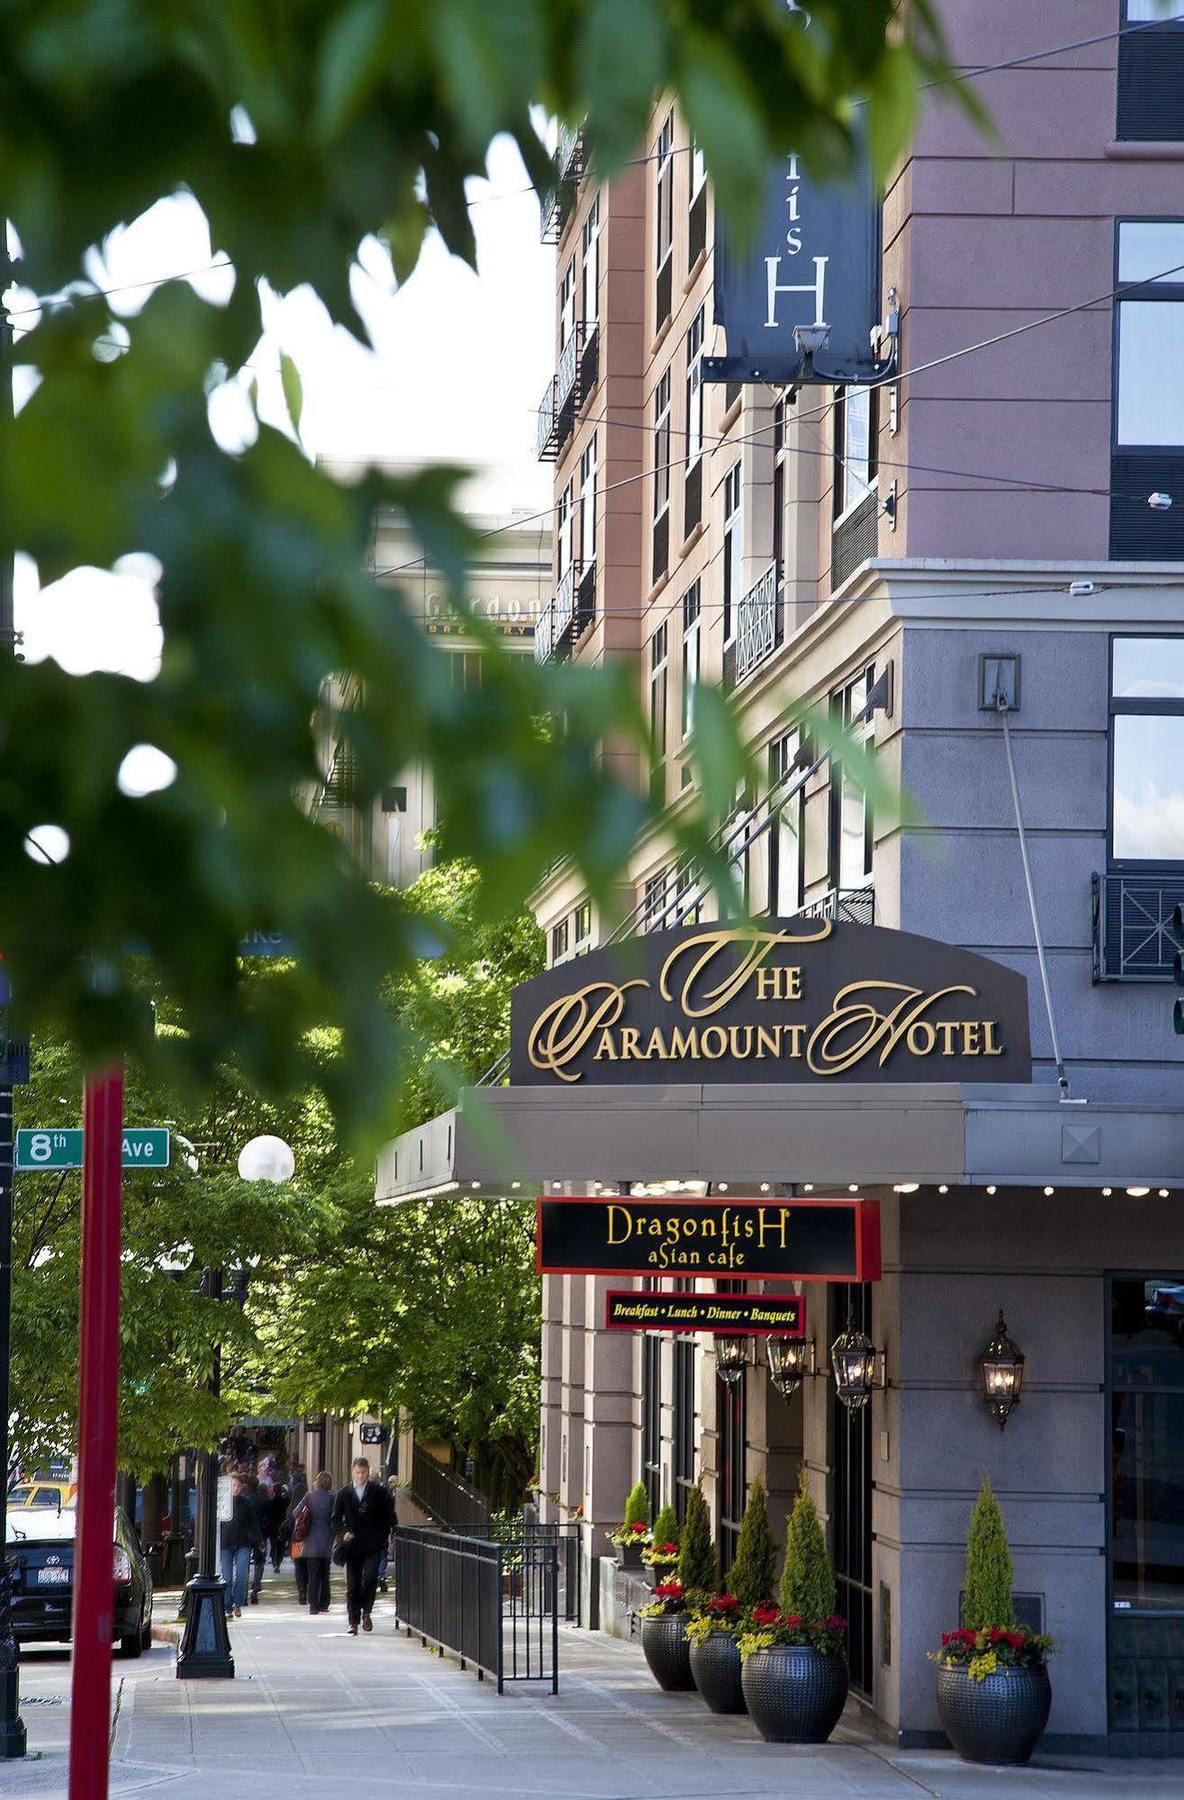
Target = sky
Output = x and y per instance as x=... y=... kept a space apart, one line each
x=454 y=373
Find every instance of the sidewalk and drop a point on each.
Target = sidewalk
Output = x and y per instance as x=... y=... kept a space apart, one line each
x=314 y=1712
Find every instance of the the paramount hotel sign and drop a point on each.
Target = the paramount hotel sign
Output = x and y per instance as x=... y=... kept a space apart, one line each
x=789 y=1001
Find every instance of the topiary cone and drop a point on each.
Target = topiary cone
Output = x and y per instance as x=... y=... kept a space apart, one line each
x=698 y=1564
x=807 y=1580
x=989 y=1568
x=754 y=1571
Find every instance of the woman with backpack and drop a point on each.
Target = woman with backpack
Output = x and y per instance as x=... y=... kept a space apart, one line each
x=312 y=1540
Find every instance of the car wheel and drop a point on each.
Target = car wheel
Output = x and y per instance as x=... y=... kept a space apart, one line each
x=133 y=1645
x=146 y=1633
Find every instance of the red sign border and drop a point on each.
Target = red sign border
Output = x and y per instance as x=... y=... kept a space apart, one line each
x=868 y=1263
x=799 y=1300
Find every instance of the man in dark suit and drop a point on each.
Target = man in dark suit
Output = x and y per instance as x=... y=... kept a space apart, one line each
x=363 y=1514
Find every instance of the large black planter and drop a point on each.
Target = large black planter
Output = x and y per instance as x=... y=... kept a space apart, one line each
x=794 y=1694
x=997 y=1720
x=629 y=1556
x=715 y=1669
x=667 y=1652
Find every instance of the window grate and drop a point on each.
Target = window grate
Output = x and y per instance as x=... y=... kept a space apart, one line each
x=1151 y=85
x=855 y=541
x=1137 y=534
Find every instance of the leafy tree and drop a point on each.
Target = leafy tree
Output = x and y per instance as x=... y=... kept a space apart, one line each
x=754 y=1568
x=301 y=131
x=666 y=1529
x=989 y=1568
x=698 y=1563
x=807 y=1579
x=637 y=1505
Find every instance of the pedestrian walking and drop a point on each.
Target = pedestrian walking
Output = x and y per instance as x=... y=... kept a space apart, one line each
x=317 y=1505
x=275 y=1515
x=298 y=1491
x=363 y=1513
x=239 y=1537
x=259 y=1497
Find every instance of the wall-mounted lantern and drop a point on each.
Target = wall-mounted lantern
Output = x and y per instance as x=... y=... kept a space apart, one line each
x=731 y=1358
x=790 y=1361
x=858 y=1366
x=1002 y=1365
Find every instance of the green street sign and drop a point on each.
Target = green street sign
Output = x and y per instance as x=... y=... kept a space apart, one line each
x=144 y=1147
x=49 y=1149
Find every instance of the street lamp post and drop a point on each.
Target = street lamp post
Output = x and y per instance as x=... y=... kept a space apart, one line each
x=205 y=1644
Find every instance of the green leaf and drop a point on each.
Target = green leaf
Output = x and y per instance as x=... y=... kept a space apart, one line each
x=349 y=66
x=293 y=389
x=723 y=114
x=722 y=764
x=891 y=107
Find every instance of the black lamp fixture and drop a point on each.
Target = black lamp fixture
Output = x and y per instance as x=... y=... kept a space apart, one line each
x=731 y=1358
x=1002 y=1365
x=791 y=1359
x=858 y=1366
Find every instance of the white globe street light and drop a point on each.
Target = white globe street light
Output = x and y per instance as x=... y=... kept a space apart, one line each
x=266 y=1159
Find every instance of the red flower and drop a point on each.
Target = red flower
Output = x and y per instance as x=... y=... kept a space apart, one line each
x=669 y=1549
x=723 y=1603
x=766 y=1613
x=793 y=1620
x=639 y=1526
x=668 y=1590
x=836 y=1622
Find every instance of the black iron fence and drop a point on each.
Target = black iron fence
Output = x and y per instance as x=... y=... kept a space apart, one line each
x=493 y=1604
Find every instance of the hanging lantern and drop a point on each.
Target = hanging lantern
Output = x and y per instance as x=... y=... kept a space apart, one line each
x=1002 y=1364
x=731 y=1358
x=789 y=1362
x=853 y=1358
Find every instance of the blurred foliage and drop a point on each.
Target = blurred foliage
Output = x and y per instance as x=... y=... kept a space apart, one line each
x=432 y=1307
x=301 y=129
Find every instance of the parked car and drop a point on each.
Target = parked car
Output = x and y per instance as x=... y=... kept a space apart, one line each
x=1166 y=1309
x=41 y=1563
x=35 y=1492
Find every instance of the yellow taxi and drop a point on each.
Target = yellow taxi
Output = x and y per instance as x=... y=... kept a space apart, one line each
x=51 y=1493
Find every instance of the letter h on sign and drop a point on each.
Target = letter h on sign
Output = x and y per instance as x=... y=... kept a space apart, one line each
x=817 y=287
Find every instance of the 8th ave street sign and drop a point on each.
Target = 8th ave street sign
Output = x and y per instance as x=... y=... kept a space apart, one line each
x=144 y=1147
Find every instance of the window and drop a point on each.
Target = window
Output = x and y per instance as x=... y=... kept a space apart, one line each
x=697 y=218
x=854 y=461
x=567 y=303
x=1147 y=750
x=583 y=924
x=653 y=917
x=1147 y=452
x=686 y=909
x=664 y=215
x=587 y=502
x=661 y=476
x=787 y=859
x=690 y=655
x=1151 y=72
x=683 y=1457
x=651 y=1417
x=851 y=835
x=563 y=525
x=590 y=245
x=464 y=669
x=559 y=941
x=693 y=476
x=779 y=457
x=658 y=691
x=732 y=549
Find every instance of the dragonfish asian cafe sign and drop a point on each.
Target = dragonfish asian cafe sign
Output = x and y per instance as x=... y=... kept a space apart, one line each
x=795 y=1000
x=746 y=1240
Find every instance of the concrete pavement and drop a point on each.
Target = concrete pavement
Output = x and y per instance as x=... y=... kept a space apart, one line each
x=314 y=1712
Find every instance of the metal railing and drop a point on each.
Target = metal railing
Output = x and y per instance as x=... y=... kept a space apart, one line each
x=565 y=601
x=758 y=620
x=849 y=906
x=547 y=435
x=1134 y=939
x=493 y=1604
x=544 y=634
x=447 y=1496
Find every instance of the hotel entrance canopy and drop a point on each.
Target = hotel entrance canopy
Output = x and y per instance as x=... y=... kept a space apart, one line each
x=785 y=1052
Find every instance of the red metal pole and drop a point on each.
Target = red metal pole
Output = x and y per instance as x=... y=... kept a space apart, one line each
x=98 y=1402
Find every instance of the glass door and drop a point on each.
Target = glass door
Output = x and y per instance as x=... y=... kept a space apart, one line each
x=1146 y=1510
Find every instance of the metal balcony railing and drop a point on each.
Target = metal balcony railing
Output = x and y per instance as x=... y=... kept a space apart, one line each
x=548 y=427
x=569 y=155
x=557 y=201
x=565 y=602
x=847 y=906
x=1133 y=935
x=758 y=624
x=544 y=634
x=569 y=368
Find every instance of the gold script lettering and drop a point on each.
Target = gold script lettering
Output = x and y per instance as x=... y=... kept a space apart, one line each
x=563 y=1029
x=855 y=1027
x=706 y=949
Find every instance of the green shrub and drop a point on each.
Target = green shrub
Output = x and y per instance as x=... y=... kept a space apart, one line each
x=665 y=1526
x=807 y=1580
x=698 y=1564
x=989 y=1568
x=754 y=1569
x=637 y=1506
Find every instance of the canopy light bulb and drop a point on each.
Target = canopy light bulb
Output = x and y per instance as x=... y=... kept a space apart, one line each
x=1163 y=1193
x=992 y=1190
x=474 y=1184
x=944 y=1188
x=1048 y=1192
x=1106 y=1193
x=1138 y=1193
x=853 y=1187
x=764 y=1187
x=906 y=1187
x=723 y=1187
x=807 y=1187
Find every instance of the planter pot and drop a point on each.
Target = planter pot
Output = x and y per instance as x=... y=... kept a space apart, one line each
x=998 y=1720
x=715 y=1668
x=667 y=1652
x=794 y=1694
x=629 y=1556
x=654 y=1575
